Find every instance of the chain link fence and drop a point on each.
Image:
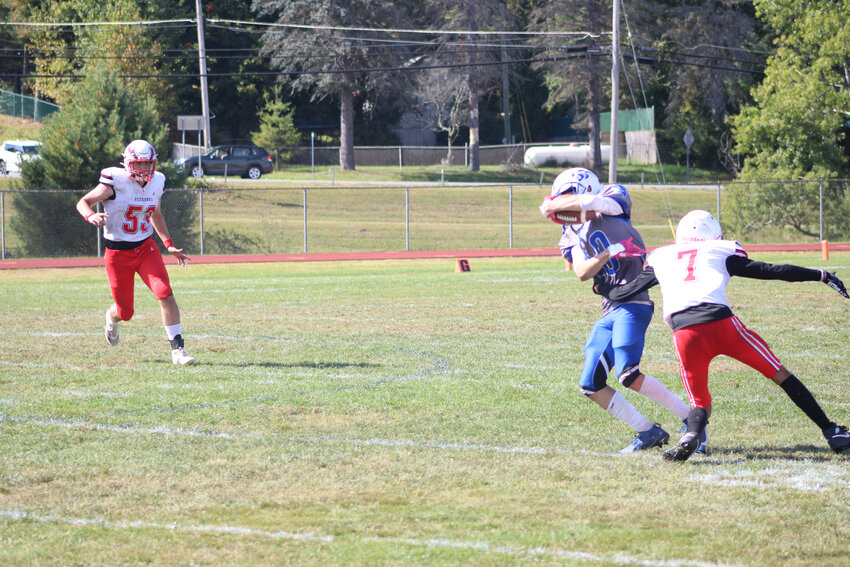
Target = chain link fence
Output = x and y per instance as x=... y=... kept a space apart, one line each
x=21 y=106
x=322 y=219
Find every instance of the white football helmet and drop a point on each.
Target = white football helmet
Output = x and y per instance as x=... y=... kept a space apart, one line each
x=576 y=180
x=140 y=160
x=697 y=226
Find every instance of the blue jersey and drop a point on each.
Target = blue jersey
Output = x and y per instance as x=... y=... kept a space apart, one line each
x=580 y=242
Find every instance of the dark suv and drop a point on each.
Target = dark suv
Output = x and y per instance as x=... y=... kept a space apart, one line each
x=231 y=159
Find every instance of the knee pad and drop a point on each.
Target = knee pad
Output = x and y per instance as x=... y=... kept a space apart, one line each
x=629 y=375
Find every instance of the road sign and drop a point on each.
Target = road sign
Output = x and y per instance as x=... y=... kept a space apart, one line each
x=689 y=138
x=190 y=123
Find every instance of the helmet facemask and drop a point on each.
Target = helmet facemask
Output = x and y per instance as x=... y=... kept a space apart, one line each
x=140 y=161
x=141 y=170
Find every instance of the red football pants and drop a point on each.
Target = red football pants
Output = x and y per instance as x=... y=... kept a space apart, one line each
x=122 y=267
x=697 y=345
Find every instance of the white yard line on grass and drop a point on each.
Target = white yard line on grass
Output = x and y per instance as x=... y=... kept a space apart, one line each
x=800 y=476
x=376 y=442
x=481 y=546
x=805 y=476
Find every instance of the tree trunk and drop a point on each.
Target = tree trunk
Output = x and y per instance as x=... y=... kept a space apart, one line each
x=474 y=143
x=346 y=129
x=593 y=119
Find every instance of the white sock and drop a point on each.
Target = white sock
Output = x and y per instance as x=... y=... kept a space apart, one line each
x=655 y=391
x=109 y=322
x=172 y=331
x=625 y=412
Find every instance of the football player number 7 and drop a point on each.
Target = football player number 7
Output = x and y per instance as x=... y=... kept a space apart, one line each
x=692 y=258
x=133 y=225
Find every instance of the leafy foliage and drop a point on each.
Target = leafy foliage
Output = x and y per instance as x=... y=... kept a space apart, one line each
x=277 y=129
x=796 y=126
x=701 y=97
x=339 y=72
x=570 y=73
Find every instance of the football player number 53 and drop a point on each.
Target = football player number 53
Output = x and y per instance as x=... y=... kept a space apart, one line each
x=692 y=258
x=133 y=224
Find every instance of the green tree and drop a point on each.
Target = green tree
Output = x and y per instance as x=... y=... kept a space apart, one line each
x=475 y=52
x=722 y=39
x=796 y=126
x=330 y=61
x=572 y=74
x=88 y=134
x=277 y=129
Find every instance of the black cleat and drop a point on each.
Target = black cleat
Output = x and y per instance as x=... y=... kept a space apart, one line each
x=686 y=447
x=837 y=437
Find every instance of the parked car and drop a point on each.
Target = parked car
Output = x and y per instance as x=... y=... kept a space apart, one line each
x=233 y=159
x=16 y=151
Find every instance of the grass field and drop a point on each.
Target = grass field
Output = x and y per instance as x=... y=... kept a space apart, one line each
x=398 y=413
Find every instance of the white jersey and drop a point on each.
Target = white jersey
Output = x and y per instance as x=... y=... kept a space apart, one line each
x=132 y=205
x=693 y=273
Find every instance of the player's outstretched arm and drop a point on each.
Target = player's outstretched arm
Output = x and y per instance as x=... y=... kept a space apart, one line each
x=740 y=266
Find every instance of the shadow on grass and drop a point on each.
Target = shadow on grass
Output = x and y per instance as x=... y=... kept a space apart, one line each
x=802 y=453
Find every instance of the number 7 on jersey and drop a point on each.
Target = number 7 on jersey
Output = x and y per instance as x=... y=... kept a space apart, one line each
x=692 y=258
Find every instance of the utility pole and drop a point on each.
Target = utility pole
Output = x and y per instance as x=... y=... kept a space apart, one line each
x=506 y=101
x=615 y=92
x=205 y=95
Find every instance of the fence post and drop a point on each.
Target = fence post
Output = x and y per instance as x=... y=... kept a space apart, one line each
x=399 y=158
x=510 y=217
x=407 y=219
x=3 y=221
x=820 y=199
x=201 y=206
x=305 y=220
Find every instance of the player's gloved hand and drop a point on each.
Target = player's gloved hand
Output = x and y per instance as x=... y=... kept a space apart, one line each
x=625 y=249
x=829 y=279
x=543 y=210
x=600 y=287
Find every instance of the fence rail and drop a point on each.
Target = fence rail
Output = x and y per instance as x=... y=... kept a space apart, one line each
x=322 y=219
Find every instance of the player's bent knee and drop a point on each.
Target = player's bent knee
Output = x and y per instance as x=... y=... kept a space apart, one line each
x=124 y=313
x=162 y=290
x=628 y=376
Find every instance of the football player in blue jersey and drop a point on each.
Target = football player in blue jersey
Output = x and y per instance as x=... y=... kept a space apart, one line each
x=607 y=248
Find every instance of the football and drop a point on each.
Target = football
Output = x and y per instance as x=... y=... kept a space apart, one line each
x=572 y=217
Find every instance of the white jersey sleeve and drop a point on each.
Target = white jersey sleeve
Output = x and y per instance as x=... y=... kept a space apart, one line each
x=130 y=208
x=693 y=273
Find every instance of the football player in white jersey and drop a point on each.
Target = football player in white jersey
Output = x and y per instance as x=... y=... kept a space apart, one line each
x=693 y=274
x=131 y=213
x=608 y=248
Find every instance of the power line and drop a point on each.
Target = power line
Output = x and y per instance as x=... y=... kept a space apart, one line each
x=318 y=71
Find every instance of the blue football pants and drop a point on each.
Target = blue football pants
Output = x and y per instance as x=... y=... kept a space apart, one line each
x=617 y=338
